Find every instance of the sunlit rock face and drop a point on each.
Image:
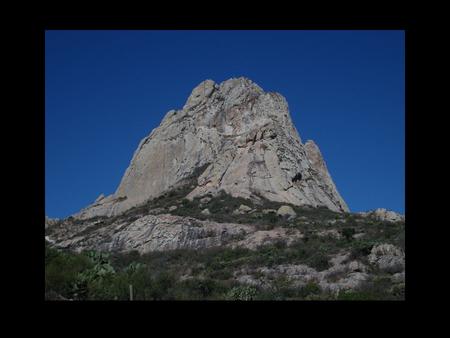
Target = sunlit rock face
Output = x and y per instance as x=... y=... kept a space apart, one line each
x=245 y=142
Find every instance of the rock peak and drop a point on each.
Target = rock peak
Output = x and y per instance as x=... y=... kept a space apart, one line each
x=241 y=82
x=200 y=93
x=244 y=142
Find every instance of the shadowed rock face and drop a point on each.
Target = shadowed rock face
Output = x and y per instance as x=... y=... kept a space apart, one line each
x=245 y=139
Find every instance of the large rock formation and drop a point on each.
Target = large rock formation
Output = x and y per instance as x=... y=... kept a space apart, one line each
x=244 y=141
x=164 y=232
x=384 y=215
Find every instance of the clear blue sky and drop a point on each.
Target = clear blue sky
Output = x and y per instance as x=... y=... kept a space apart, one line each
x=106 y=90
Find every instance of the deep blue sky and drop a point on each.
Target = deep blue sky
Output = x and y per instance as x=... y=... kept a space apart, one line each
x=106 y=90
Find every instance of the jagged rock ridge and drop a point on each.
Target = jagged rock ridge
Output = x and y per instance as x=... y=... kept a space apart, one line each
x=244 y=139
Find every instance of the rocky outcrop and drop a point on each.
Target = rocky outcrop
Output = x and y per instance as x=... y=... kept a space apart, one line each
x=243 y=209
x=383 y=215
x=50 y=221
x=342 y=275
x=286 y=212
x=167 y=232
x=242 y=140
x=388 y=258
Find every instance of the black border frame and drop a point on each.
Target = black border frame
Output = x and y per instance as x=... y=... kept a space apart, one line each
x=39 y=23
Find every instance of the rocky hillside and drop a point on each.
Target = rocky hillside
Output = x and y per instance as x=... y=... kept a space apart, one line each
x=224 y=201
x=240 y=248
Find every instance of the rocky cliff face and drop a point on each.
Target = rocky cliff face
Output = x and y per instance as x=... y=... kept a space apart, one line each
x=245 y=144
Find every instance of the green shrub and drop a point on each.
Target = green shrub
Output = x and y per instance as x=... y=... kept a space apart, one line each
x=243 y=293
x=62 y=269
x=348 y=233
x=361 y=248
x=376 y=288
x=355 y=295
x=318 y=261
x=311 y=288
x=398 y=291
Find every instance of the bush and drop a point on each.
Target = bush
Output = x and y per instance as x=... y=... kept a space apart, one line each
x=318 y=261
x=62 y=269
x=198 y=289
x=109 y=287
x=361 y=248
x=160 y=286
x=242 y=293
x=398 y=291
x=348 y=233
x=355 y=295
x=377 y=288
x=310 y=289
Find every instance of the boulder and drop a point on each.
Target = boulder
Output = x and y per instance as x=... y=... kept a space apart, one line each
x=205 y=200
x=286 y=212
x=243 y=209
x=205 y=212
x=359 y=235
x=388 y=258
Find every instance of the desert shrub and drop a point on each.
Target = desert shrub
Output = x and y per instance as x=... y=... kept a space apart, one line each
x=245 y=292
x=318 y=261
x=282 y=288
x=159 y=287
x=398 y=291
x=268 y=255
x=400 y=240
x=322 y=296
x=311 y=288
x=124 y=259
x=361 y=248
x=355 y=295
x=376 y=288
x=348 y=233
x=222 y=274
x=62 y=269
x=109 y=287
x=270 y=218
x=351 y=221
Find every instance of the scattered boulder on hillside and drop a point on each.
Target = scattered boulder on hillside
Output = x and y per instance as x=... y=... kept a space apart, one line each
x=359 y=235
x=286 y=212
x=205 y=212
x=331 y=232
x=243 y=209
x=205 y=200
x=388 y=258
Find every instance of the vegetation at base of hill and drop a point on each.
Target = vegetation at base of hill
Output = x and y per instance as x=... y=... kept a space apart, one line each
x=196 y=274
x=209 y=274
